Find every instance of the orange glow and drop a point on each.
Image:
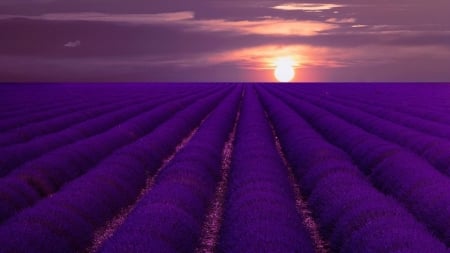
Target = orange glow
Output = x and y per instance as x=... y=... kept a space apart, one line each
x=272 y=26
x=263 y=60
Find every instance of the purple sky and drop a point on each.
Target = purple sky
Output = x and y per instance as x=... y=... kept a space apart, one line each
x=223 y=40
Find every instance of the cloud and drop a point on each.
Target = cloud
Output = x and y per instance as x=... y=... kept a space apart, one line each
x=137 y=19
x=265 y=26
x=265 y=57
x=15 y=2
x=186 y=20
x=304 y=56
x=307 y=7
x=359 y=26
x=120 y=18
x=76 y=43
x=273 y=26
x=341 y=21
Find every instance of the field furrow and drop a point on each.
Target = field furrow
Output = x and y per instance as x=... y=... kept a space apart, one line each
x=436 y=150
x=30 y=131
x=47 y=174
x=425 y=192
x=260 y=213
x=169 y=217
x=350 y=212
x=86 y=130
x=67 y=221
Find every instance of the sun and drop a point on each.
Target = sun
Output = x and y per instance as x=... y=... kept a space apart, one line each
x=284 y=71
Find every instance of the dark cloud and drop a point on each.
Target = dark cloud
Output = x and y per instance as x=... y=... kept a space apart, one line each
x=75 y=43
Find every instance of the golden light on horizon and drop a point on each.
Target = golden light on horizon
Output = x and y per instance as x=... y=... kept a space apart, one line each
x=296 y=59
x=284 y=70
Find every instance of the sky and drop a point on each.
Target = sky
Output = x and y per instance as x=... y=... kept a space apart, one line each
x=224 y=40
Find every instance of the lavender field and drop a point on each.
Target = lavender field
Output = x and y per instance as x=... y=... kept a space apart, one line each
x=225 y=168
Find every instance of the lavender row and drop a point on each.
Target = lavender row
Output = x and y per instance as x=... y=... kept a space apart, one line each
x=352 y=215
x=55 y=124
x=430 y=97
x=20 y=120
x=27 y=100
x=413 y=122
x=66 y=222
x=418 y=186
x=13 y=156
x=19 y=99
x=169 y=217
x=433 y=149
x=429 y=114
x=47 y=174
x=260 y=213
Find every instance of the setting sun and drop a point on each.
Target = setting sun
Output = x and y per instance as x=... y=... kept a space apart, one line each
x=284 y=71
